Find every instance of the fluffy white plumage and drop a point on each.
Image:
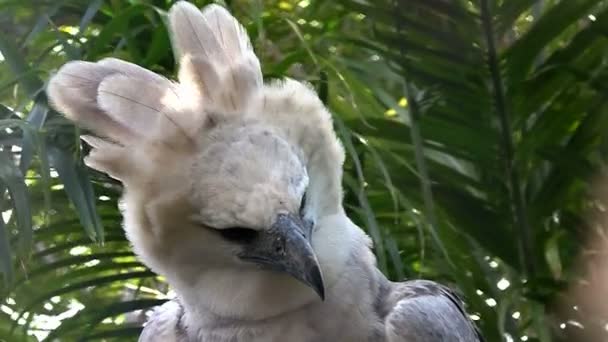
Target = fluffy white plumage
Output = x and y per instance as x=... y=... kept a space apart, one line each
x=219 y=149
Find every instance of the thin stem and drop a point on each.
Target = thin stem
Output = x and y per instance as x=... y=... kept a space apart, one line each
x=416 y=136
x=423 y=172
x=515 y=192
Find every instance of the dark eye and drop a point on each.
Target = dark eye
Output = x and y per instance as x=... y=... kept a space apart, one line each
x=238 y=234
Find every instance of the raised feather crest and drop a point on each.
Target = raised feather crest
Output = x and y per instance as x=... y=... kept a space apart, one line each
x=137 y=113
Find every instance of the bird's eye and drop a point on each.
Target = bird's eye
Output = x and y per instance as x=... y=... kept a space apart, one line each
x=239 y=234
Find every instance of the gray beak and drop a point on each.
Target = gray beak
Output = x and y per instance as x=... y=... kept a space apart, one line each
x=286 y=248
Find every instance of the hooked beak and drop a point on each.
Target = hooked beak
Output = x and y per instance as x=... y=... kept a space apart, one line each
x=286 y=248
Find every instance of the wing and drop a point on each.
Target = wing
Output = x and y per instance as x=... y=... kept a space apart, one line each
x=165 y=324
x=424 y=311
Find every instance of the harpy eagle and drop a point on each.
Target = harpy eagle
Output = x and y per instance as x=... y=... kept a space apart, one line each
x=233 y=194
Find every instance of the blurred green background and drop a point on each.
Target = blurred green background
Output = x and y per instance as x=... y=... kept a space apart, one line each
x=476 y=139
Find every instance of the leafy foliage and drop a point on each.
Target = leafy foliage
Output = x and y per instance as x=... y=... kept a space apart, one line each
x=474 y=130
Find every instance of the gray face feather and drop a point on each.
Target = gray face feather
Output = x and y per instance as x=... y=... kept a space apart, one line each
x=245 y=175
x=249 y=185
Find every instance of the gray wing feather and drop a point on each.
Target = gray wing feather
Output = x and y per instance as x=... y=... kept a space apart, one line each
x=424 y=311
x=165 y=324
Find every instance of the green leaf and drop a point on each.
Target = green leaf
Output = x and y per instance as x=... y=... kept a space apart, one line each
x=6 y=266
x=88 y=15
x=522 y=54
x=116 y=27
x=19 y=67
x=78 y=187
x=93 y=315
x=13 y=180
x=36 y=118
x=552 y=256
x=114 y=333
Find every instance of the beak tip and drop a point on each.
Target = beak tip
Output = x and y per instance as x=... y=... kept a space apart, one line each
x=320 y=291
x=317 y=283
x=321 y=294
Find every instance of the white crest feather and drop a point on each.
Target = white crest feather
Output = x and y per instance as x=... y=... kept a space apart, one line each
x=215 y=55
x=219 y=75
x=119 y=100
x=126 y=104
x=106 y=156
x=73 y=91
x=142 y=106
